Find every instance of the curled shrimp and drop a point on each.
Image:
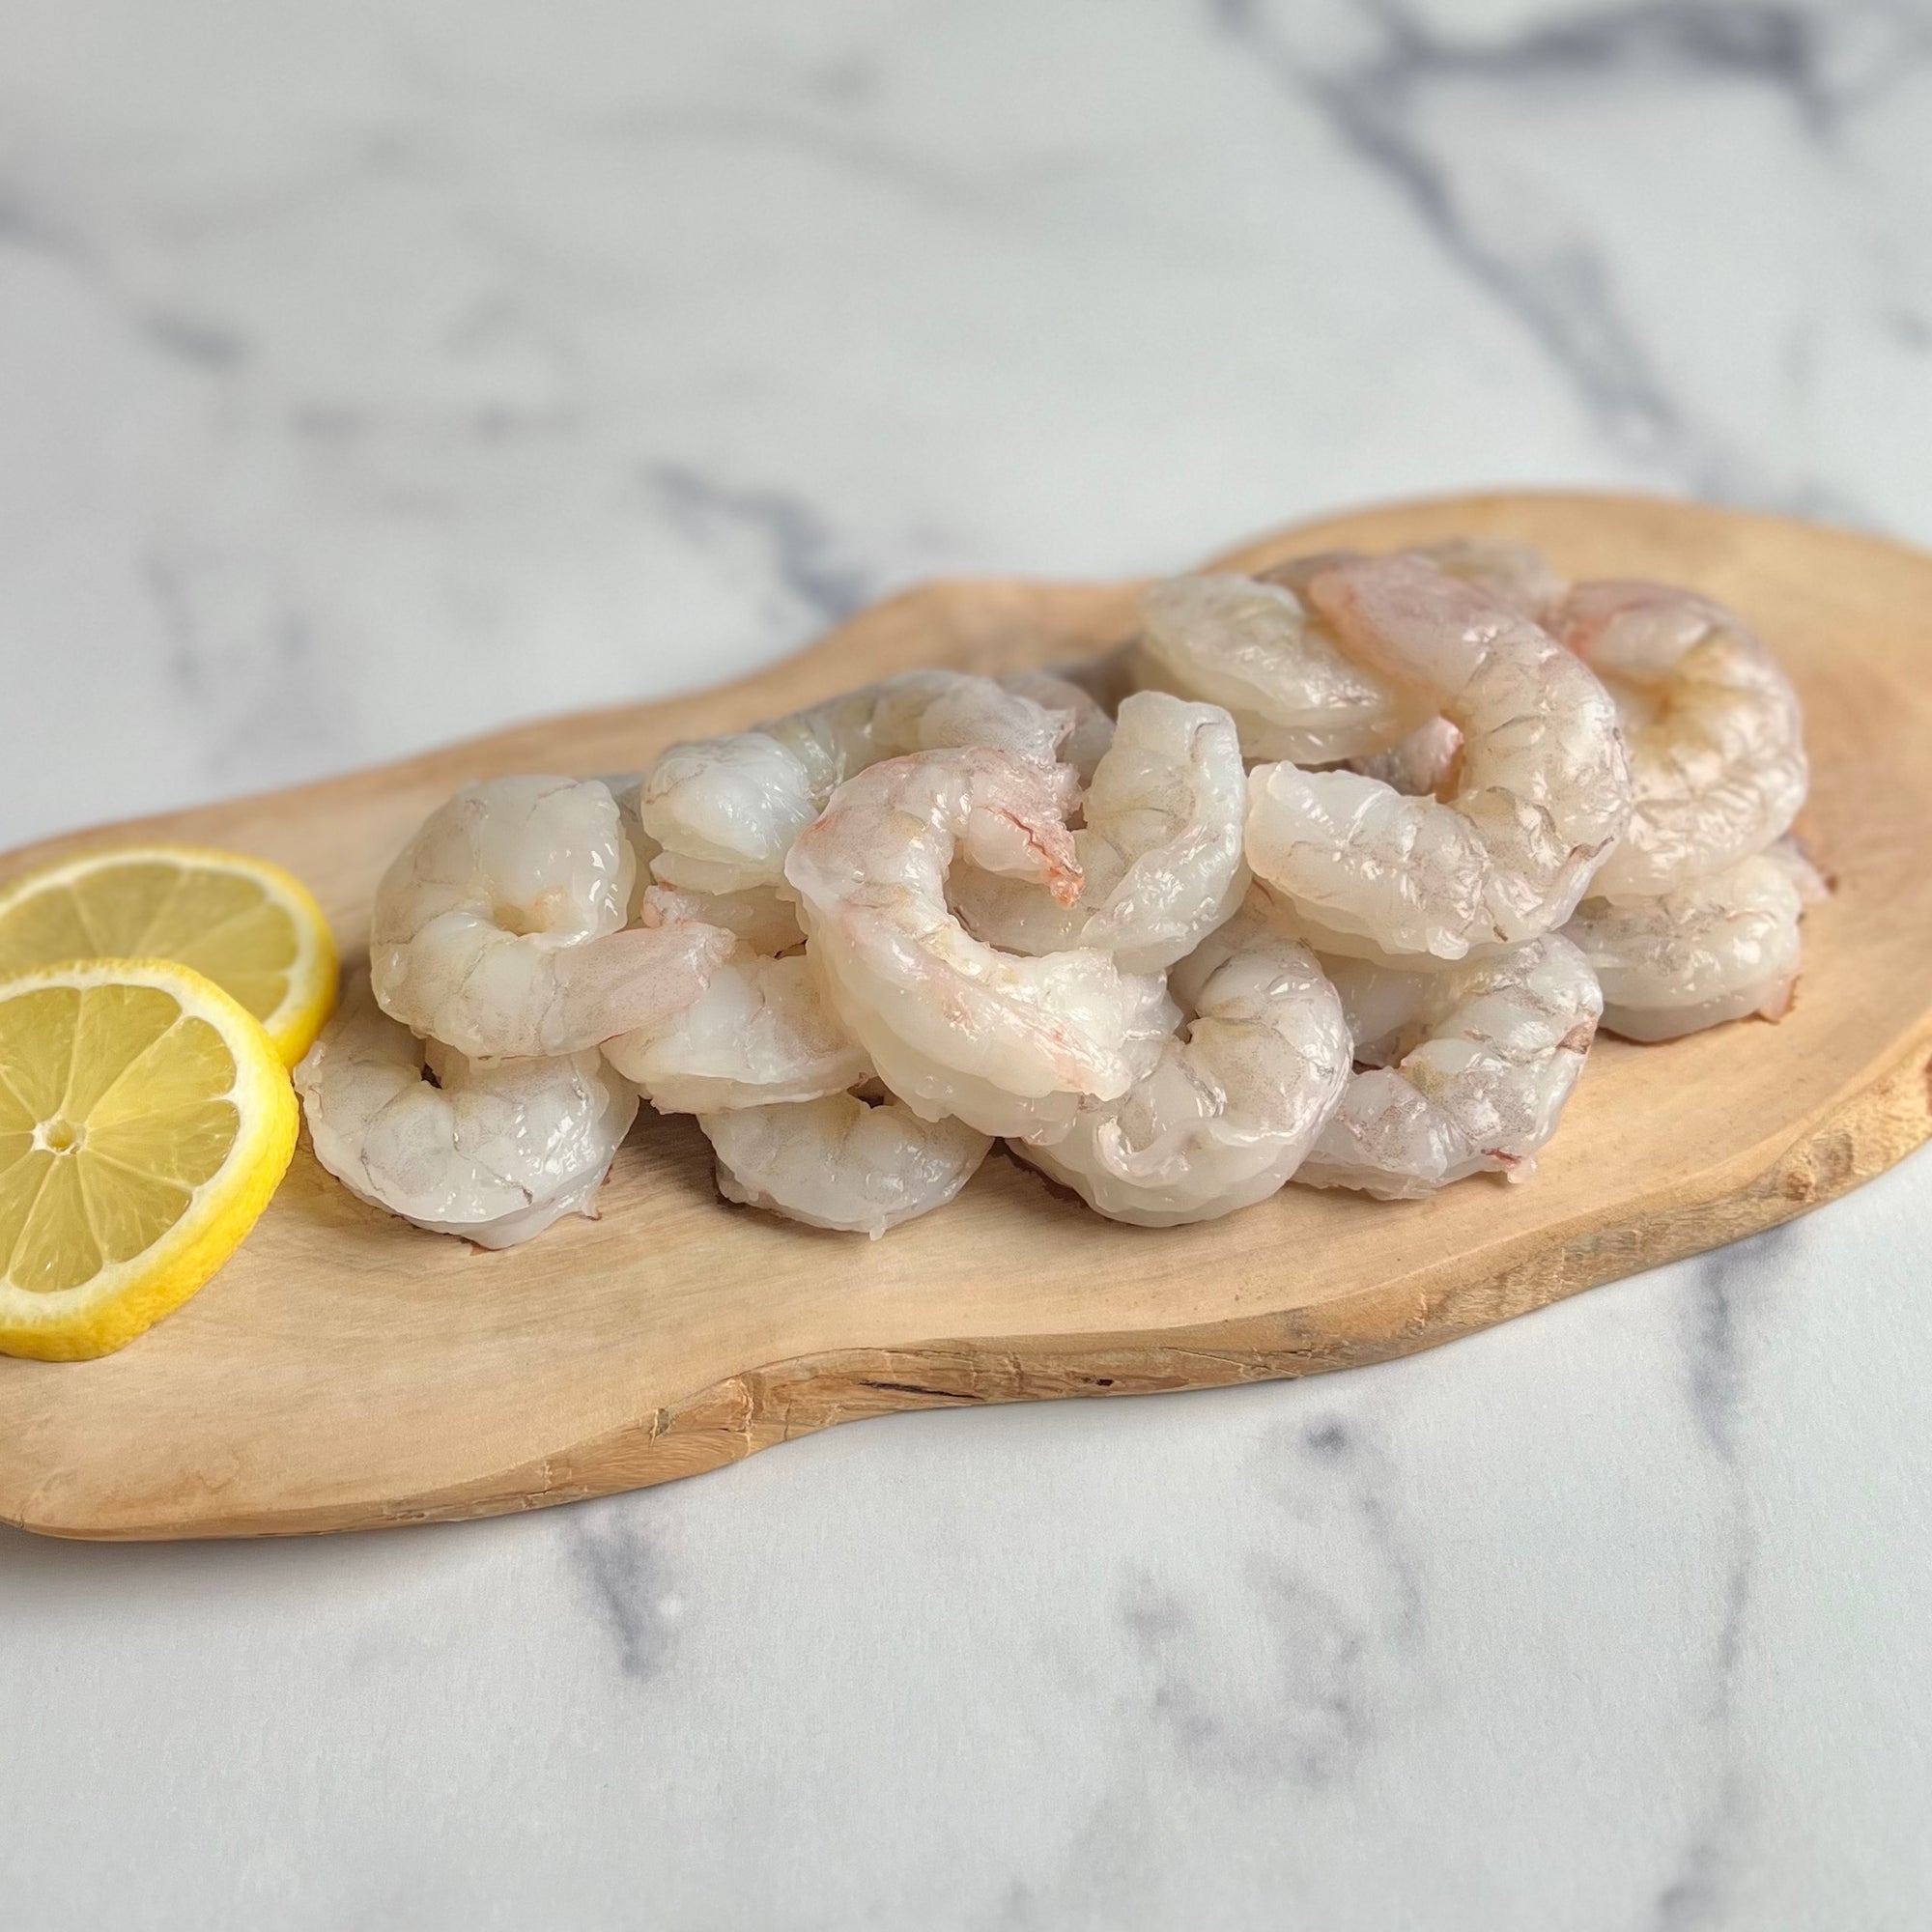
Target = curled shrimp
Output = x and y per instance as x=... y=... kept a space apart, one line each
x=1255 y=647
x=761 y=1032
x=1541 y=788
x=758 y=918
x=500 y=929
x=1716 y=948
x=1237 y=1096
x=1516 y=574
x=1160 y=852
x=494 y=1152
x=1470 y=1067
x=1716 y=744
x=841 y=1163
x=726 y=811
x=954 y=1026
x=1419 y=766
x=1092 y=730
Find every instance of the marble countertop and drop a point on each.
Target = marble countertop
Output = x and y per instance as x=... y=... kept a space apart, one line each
x=372 y=374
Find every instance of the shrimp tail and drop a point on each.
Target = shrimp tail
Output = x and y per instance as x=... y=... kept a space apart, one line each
x=640 y=980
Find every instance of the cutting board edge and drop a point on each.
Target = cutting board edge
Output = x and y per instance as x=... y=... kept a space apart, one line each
x=455 y=760
x=1859 y=1138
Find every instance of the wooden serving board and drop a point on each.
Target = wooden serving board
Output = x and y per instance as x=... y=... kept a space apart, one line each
x=346 y=1371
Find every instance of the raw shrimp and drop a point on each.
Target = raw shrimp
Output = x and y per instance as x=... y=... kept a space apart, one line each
x=954 y=1026
x=840 y=1163
x=1257 y=648
x=1471 y=1066
x=760 y=917
x=494 y=1152
x=726 y=811
x=1516 y=574
x=1715 y=950
x=1086 y=744
x=1236 y=1098
x=500 y=929
x=1421 y=765
x=755 y=916
x=1159 y=855
x=761 y=1032
x=626 y=789
x=1543 y=789
x=1716 y=736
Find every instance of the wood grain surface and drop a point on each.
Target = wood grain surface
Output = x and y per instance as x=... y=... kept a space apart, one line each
x=346 y=1371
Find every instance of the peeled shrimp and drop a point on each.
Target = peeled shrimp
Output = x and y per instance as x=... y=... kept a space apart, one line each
x=1092 y=731
x=1715 y=950
x=1716 y=736
x=494 y=1152
x=1235 y=1100
x=1421 y=764
x=1516 y=574
x=1010 y=1045
x=760 y=1032
x=726 y=811
x=1470 y=1067
x=1159 y=854
x=1543 y=789
x=500 y=929
x=757 y=917
x=840 y=1163
x=1258 y=649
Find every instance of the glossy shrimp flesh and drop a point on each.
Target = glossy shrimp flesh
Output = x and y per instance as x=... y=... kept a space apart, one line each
x=1092 y=730
x=1237 y=1096
x=726 y=811
x=1469 y=1069
x=1516 y=574
x=1716 y=948
x=953 y=1025
x=1258 y=649
x=759 y=919
x=1422 y=765
x=841 y=1163
x=499 y=929
x=1715 y=735
x=494 y=1152
x=1160 y=852
x=761 y=1032
x=1541 y=786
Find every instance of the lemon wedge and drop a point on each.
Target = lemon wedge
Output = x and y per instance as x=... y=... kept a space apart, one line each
x=246 y=924
x=145 y=1119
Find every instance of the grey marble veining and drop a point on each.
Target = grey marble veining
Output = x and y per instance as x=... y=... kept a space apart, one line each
x=372 y=375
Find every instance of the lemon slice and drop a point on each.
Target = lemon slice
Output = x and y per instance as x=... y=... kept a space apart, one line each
x=145 y=1119
x=246 y=924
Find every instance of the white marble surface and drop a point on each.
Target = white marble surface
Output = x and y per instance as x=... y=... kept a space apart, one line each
x=371 y=373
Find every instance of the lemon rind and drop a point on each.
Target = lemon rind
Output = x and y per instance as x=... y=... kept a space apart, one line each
x=128 y=1297
x=315 y=974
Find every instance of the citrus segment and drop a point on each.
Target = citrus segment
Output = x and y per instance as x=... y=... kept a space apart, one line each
x=145 y=1120
x=247 y=925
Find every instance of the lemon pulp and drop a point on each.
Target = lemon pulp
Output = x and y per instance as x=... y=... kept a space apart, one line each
x=245 y=925
x=145 y=1119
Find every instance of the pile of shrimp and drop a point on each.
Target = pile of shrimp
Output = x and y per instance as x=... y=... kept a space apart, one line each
x=1328 y=878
